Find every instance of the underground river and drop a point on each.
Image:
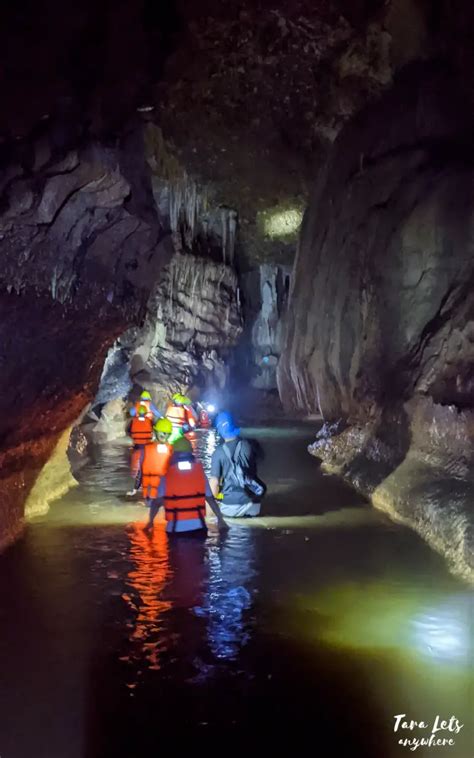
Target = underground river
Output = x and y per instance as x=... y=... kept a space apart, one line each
x=321 y=620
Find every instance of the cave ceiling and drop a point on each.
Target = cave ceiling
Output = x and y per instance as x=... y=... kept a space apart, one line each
x=248 y=94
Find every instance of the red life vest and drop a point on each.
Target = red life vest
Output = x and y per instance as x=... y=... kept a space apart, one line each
x=141 y=430
x=185 y=493
x=155 y=465
x=204 y=420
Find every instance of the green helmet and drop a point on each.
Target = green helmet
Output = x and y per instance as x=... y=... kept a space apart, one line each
x=163 y=426
x=145 y=395
x=182 y=445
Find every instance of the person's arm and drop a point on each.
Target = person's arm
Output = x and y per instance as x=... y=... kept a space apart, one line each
x=155 y=411
x=215 y=475
x=214 y=485
x=212 y=503
x=190 y=417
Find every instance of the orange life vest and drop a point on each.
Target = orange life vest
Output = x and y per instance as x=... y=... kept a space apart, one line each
x=155 y=465
x=141 y=430
x=185 y=493
x=177 y=415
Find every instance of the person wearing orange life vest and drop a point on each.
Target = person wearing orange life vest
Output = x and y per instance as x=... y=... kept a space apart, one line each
x=180 y=414
x=145 y=399
x=156 y=460
x=184 y=492
x=141 y=432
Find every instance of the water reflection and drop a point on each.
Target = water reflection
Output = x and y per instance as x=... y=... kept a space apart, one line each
x=205 y=444
x=229 y=593
x=425 y=625
x=231 y=578
x=211 y=578
x=444 y=632
x=149 y=553
x=352 y=625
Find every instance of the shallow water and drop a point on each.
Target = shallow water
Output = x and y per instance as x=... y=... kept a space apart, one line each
x=321 y=620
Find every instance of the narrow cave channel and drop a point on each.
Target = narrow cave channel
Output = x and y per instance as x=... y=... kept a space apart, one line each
x=238 y=228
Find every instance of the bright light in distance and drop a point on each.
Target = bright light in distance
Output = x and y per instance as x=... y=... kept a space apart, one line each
x=211 y=408
x=283 y=223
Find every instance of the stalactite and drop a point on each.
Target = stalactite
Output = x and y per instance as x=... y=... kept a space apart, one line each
x=54 y=282
x=175 y=202
x=224 y=233
x=190 y=204
x=232 y=234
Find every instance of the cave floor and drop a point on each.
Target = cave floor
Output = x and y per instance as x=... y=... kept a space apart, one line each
x=320 y=620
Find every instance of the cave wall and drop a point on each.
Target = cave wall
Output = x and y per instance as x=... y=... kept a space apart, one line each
x=264 y=292
x=80 y=249
x=193 y=323
x=380 y=321
x=382 y=289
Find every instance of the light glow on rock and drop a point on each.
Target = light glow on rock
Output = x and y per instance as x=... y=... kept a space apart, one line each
x=283 y=223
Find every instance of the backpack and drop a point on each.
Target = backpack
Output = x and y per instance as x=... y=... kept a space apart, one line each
x=251 y=486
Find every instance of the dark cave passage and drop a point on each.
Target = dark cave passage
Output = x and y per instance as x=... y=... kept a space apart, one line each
x=264 y=208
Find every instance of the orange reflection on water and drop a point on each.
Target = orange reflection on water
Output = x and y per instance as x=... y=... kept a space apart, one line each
x=150 y=555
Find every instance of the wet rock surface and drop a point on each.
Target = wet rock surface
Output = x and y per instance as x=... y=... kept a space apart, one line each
x=78 y=244
x=382 y=306
x=382 y=297
x=417 y=465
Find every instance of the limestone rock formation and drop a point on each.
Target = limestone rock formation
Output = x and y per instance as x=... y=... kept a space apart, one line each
x=193 y=321
x=265 y=292
x=79 y=245
x=382 y=303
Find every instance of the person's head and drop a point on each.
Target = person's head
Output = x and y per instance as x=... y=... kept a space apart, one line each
x=142 y=411
x=163 y=429
x=182 y=449
x=145 y=397
x=226 y=427
x=177 y=398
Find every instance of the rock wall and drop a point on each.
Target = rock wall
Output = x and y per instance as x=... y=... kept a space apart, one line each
x=80 y=250
x=192 y=323
x=382 y=305
x=265 y=293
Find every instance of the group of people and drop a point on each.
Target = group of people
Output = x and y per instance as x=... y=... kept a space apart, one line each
x=166 y=470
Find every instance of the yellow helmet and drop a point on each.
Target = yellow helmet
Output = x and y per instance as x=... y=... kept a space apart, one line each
x=163 y=426
x=177 y=398
x=145 y=395
x=185 y=400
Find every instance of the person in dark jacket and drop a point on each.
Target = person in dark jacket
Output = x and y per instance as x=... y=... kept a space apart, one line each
x=236 y=501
